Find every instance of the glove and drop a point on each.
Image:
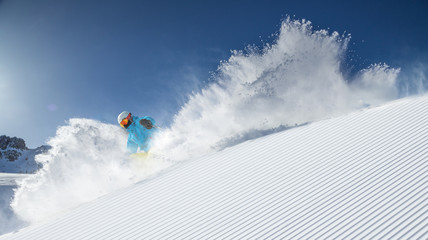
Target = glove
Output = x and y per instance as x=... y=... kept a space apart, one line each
x=146 y=123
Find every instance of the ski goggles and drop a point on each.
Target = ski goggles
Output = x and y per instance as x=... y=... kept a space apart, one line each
x=124 y=123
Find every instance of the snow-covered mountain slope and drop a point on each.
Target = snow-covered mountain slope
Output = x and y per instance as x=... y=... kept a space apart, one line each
x=15 y=157
x=362 y=175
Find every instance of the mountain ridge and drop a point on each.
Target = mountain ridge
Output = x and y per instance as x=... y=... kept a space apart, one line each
x=16 y=157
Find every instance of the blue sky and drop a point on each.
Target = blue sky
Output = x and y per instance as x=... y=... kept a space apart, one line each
x=94 y=59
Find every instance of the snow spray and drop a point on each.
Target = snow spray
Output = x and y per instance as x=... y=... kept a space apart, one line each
x=294 y=80
x=88 y=159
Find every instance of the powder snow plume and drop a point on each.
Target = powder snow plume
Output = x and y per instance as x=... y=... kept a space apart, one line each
x=294 y=80
x=88 y=159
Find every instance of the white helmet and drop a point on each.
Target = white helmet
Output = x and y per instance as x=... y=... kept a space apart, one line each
x=122 y=116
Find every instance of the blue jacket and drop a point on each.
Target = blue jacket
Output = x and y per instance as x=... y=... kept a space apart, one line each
x=139 y=136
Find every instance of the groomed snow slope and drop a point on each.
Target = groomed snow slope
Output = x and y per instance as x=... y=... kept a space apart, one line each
x=363 y=175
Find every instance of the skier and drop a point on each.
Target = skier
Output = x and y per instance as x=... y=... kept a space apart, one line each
x=140 y=131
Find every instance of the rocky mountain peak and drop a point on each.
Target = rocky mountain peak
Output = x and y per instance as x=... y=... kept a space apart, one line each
x=12 y=142
x=11 y=148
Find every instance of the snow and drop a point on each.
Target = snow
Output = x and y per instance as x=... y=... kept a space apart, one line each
x=295 y=80
x=11 y=179
x=299 y=78
x=361 y=175
x=8 y=220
